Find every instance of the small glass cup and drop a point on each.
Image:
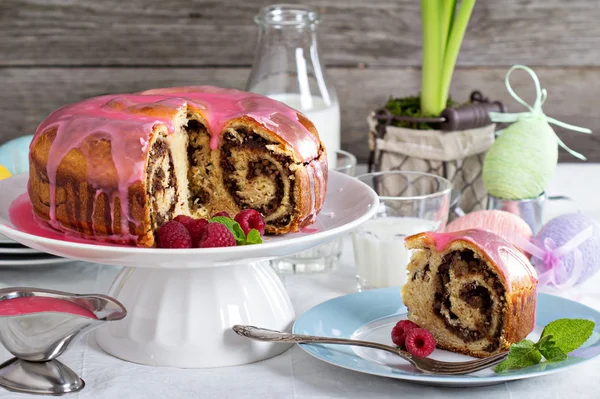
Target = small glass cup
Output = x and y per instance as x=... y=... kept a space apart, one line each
x=410 y=203
x=324 y=257
x=531 y=210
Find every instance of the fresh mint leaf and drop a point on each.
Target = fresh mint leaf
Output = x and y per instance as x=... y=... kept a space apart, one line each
x=558 y=339
x=542 y=341
x=253 y=237
x=233 y=226
x=522 y=354
x=569 y=334
x=550 y=351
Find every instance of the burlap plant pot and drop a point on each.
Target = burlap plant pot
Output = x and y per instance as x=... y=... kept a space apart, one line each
x=457 y=156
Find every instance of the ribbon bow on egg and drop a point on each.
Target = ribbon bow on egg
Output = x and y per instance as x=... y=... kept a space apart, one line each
x=553 y=270
x=535 y=112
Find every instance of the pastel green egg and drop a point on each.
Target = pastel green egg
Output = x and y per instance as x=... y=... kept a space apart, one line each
x=522 y=160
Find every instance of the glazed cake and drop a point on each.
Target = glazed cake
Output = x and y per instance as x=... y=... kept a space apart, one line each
x=114 y=168
x=473 y=290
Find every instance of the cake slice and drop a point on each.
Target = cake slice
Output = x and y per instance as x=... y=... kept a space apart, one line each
x=472 y=289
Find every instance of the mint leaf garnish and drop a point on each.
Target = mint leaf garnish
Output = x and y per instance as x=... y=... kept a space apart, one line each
x=233 y=226
x=522 y=354
x=235 y=229
x=253 y=237
x=549 y=350
x=569 y=334
x=558 y=339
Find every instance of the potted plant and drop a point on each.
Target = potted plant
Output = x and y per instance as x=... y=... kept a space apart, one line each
x=431 y=132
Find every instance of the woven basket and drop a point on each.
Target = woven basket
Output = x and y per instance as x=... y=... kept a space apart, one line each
x=457 y=156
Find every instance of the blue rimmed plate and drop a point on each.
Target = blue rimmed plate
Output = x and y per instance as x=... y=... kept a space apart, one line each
x=370 y=315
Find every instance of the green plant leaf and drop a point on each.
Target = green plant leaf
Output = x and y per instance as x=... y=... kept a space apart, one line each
x=522 y=354
x=542 y=341
x=233 y=226
x=569 y=334
x=550 y=351
x=253 y=237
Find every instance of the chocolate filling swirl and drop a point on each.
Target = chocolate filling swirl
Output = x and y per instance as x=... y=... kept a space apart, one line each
x=473 y=276
x=162 y=183
x=250 y=150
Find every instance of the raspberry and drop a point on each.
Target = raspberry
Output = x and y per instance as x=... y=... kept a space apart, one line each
x=196 y=228
x=174 y=235
x=216 y=235
x=407 y=324
x=399 y=331
x=420 y=342
x=223 y=213
x=183 y=219
x=398 y=336
x=250 y=219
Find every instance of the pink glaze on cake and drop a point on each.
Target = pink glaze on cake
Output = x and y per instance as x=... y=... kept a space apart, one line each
x=127 y=121
x=510 y=261
x=36 y=304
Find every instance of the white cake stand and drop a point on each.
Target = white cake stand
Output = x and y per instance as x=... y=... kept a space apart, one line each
x=182 y=302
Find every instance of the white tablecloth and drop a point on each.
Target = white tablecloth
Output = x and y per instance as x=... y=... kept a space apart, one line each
x=295 y=374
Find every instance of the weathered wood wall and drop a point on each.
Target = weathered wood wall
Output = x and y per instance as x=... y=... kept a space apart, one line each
x=54 y=52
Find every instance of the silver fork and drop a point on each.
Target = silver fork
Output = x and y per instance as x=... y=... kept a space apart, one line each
x=423 y=364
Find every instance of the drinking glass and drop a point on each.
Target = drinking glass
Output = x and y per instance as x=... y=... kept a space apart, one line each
x=287 y=67
x=410 y=203
x=324 y=257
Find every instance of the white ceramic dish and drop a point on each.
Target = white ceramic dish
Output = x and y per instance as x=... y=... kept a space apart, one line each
x=5 y=240
x=10 y=249
x=31 y=260
x=182 y=302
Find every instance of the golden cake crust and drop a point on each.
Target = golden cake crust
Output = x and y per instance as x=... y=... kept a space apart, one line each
x=79 y=206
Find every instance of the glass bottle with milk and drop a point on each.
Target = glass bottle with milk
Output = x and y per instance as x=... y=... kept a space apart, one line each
x=288 y=68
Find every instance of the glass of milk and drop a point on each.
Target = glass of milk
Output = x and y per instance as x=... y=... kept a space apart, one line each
x=324 y=257
x=410 y=203
x=287 y=67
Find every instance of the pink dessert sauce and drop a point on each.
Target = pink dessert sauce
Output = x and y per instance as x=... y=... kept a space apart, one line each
x=37 y=304
x=127 y=121
x=21 y=216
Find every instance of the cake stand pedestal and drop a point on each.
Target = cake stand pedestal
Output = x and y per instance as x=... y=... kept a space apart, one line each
x=183 y=317
x=182 y=303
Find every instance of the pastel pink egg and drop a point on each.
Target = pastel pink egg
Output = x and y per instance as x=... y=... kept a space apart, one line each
x=507 y=225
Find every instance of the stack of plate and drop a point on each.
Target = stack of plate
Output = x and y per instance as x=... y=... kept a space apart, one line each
x=14 y=254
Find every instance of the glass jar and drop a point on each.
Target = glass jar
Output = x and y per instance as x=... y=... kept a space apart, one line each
x=288 y=68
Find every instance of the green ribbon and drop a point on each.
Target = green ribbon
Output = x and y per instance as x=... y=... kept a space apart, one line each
x=535 y=112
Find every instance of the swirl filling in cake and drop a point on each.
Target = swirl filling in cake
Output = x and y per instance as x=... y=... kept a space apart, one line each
x=114 y=168
x=473 y=290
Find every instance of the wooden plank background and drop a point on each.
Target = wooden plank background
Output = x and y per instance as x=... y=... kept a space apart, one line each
x=54 y=52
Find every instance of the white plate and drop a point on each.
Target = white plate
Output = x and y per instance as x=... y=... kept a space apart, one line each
x=5 y=240
x=349 y=203
x=16 y=249
x=32 y=260
x=370 y=316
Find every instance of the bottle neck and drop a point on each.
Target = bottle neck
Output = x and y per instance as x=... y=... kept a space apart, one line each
x=287 y=59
